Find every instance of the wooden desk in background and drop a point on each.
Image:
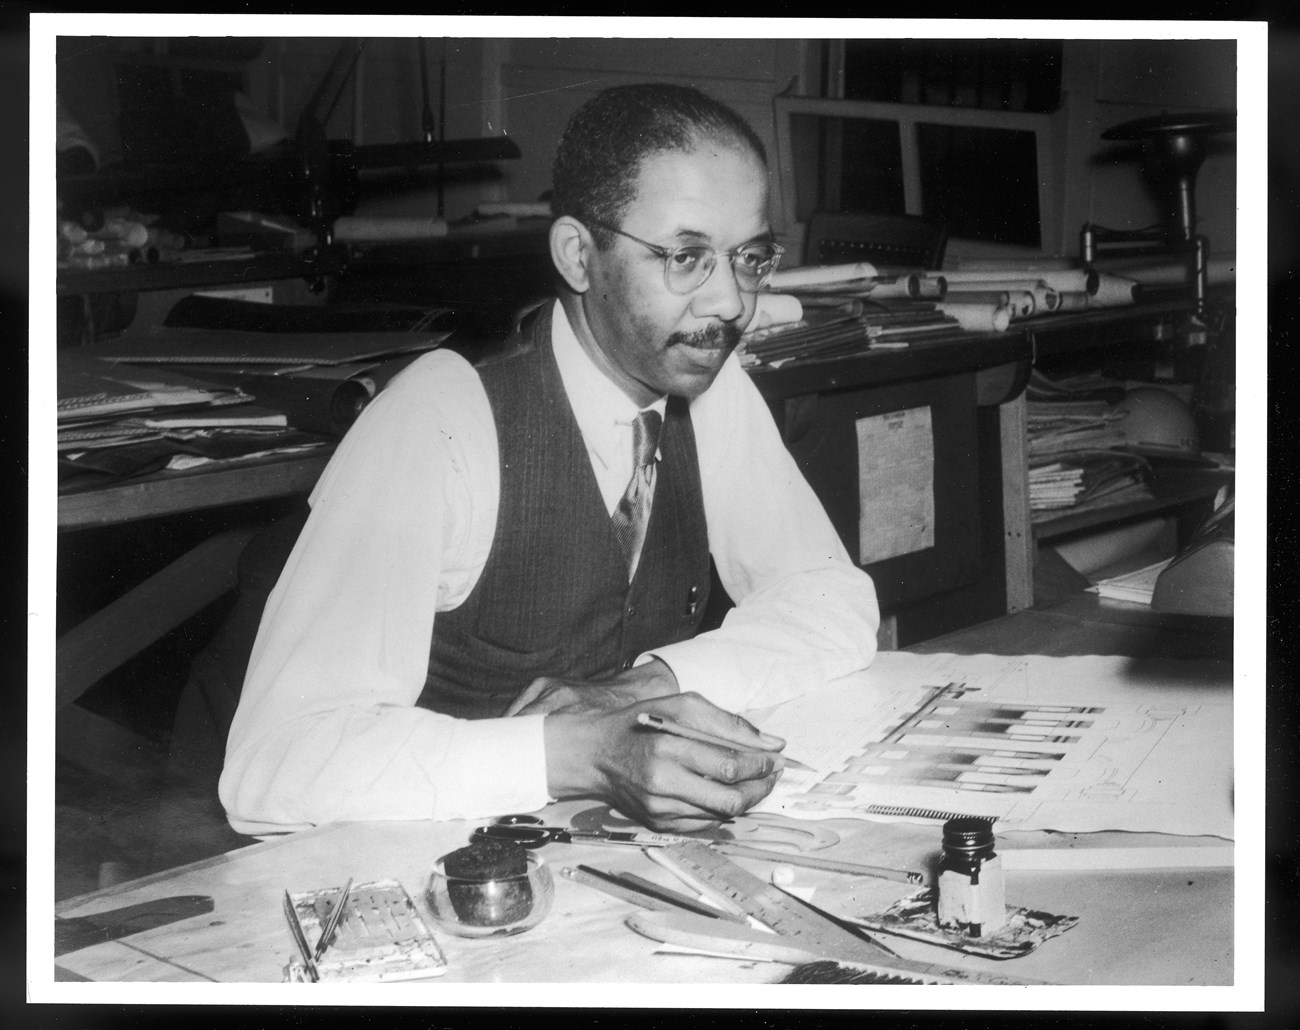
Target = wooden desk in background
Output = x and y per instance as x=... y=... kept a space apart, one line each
x=1163 y=926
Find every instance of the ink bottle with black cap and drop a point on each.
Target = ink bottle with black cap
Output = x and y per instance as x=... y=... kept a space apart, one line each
x=972 y=897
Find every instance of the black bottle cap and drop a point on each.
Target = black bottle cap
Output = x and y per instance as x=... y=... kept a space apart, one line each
x=968 y=833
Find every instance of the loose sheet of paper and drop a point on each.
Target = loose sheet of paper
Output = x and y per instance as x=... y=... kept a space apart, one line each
x=1072 y=744
x=895 y=484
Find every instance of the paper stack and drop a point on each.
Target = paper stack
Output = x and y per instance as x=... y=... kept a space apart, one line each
x=1082 y=479
x=118 y=420
x=1136 y=586
x=1077 y=455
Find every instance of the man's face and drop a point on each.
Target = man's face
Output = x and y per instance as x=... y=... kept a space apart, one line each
x=653 y=341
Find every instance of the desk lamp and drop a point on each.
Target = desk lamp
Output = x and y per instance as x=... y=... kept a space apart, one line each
x=1174 y=147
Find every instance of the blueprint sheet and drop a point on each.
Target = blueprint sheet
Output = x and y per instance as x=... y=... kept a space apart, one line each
x=1071 y=744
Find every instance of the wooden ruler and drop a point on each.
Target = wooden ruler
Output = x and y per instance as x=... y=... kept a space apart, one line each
x=800 y=930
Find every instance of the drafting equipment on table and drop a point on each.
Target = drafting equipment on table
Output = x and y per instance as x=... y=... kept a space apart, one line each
x=332 y=923
x=380 y=936
x=529 y=832
x=1078 y=744
x=816 y=862
x=641 y=893
x=800 y=933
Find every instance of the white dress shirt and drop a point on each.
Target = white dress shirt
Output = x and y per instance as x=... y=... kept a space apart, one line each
x=401 y=524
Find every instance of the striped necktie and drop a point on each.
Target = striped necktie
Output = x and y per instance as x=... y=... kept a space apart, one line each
x=632 y=515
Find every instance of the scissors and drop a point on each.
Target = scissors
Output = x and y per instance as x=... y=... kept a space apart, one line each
x=532 y=832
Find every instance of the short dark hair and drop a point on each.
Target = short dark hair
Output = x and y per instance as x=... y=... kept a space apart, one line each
x=600 y=153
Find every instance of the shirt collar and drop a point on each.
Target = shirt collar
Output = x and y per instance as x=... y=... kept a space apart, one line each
x=599 y=405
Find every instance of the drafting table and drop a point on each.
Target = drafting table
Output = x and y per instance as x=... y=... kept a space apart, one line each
x=1156 y=926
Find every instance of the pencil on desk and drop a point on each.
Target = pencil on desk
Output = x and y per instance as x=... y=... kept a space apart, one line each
x=662 y=725
x=615 y=888
x=638 y=891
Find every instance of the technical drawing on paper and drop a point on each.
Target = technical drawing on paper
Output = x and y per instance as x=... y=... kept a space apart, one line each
x=987 y=745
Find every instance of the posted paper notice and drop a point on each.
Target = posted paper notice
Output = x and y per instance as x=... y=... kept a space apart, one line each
x=895 y=484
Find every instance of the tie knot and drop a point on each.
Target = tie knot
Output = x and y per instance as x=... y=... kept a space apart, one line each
x=645 y=437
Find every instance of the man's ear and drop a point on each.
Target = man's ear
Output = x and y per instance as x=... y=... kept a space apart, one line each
x=571 y=247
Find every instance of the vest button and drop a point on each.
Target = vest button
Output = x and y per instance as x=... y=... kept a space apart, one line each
x=631 y=610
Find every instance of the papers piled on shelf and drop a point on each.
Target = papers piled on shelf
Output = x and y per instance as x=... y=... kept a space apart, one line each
x=1136 y=586
x=1057 y=427
x=1078 y=479
x=850 y=325
x=1076 y=442
x=119 y=420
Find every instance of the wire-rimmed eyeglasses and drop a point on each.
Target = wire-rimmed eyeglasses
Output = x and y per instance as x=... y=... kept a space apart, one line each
x=688 y=267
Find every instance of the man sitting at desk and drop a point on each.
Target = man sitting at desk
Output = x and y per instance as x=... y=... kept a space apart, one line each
x=477 y=608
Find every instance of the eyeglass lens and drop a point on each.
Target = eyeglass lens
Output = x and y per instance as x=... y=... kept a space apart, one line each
x=688 y=268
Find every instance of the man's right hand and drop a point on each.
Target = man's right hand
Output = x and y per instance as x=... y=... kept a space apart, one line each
x=664 y=782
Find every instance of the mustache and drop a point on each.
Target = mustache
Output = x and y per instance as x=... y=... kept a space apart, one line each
x=715 y=337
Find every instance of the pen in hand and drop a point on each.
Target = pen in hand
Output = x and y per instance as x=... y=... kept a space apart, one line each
x=662 y=725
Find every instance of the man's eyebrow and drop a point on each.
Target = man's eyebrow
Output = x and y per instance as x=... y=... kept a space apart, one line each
x=697 y=236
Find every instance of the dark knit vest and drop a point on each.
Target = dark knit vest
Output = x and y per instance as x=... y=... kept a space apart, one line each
x=553 y=599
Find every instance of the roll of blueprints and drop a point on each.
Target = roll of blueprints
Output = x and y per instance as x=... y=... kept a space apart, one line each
x=1114 y=291
x=1072 y=300
x=1022 y=303
x=998 y=298
x=821 y=275
x=977 y=317
x=927 y=287
x=1072 y=279
x=901 y=286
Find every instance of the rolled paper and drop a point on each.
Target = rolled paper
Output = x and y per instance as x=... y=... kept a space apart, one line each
x=998 y=298
x=1071 y=300
x=928 y=287
x=387 y=229
x=982 y=318
x=901 y=286
x=1075 y=279
x=821 y=275
x=1114 y=291
x=1046 y=298
x=1022 y=303
x=776 y=309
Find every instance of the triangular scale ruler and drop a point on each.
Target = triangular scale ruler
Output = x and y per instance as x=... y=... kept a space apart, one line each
x=798 y=925
x=770 y=905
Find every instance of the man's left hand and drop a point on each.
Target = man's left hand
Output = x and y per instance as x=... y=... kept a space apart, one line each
x=549 y=694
